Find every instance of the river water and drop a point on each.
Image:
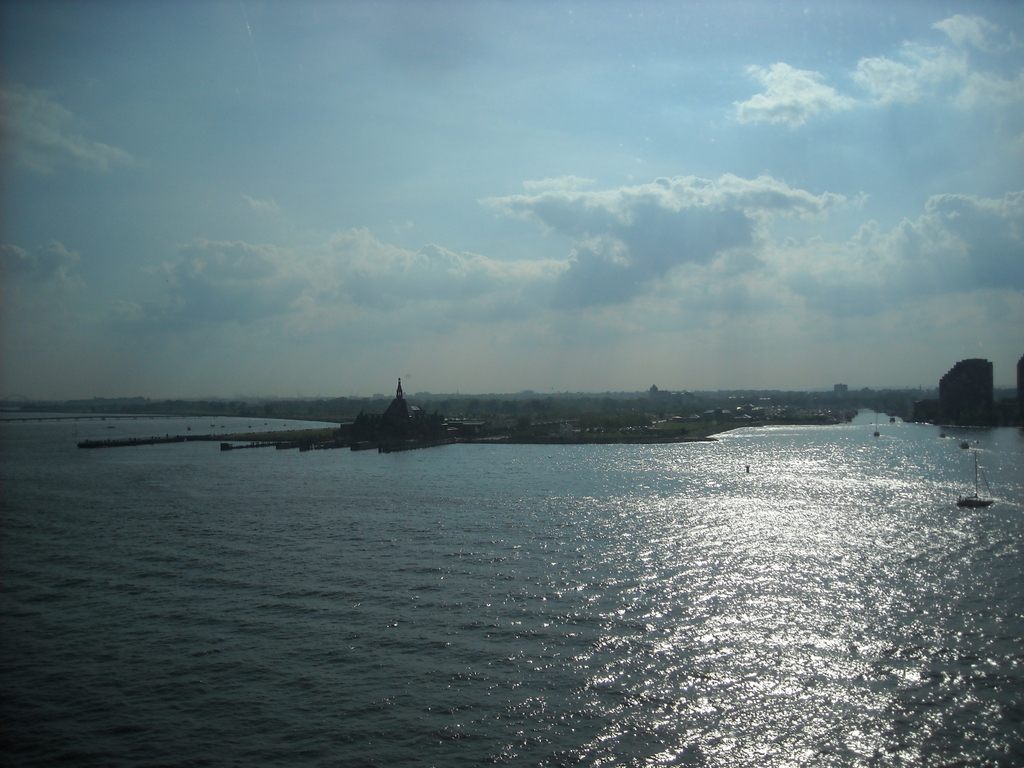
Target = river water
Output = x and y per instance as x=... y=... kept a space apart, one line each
x=472 y=605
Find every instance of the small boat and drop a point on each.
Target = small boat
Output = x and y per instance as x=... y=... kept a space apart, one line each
x=975 y=501
x=965 y=445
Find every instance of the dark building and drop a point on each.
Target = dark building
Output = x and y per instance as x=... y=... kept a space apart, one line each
x=1020 y=388
x=664 y=397
x=400 y=416
x=926 y=410
x=400 y=423
x=966 y=393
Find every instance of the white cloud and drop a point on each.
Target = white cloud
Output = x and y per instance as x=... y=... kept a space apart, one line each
x=674 y=256
x=984 y=88
x=237 y=282
x=627 y=238
x=262 y=206
x=792 y=97
x=576 y=212
x=921 y=70
x=566 y=183
x=643 y=257
x=50 y=262
x=925 y=71
x=41 y=139
x=368 y=273
x=854 y=279
x=914 y=73
x=972 y=30
x=961 y=245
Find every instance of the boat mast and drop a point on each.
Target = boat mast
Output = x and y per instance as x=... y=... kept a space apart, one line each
x=975 y=473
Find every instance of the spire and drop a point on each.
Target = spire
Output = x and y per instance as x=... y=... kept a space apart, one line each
x=399 y=394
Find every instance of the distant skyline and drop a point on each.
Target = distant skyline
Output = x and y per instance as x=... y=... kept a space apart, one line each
x=210 y=199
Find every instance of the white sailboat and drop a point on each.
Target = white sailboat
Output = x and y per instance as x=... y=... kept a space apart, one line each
x=975 y=501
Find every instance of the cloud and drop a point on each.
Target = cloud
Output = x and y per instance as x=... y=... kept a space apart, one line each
x=960 y=245
x=924 y=71
x=972 y=30
x=262 y=206
x=50 y=262
x=792 y=97
x=921 y=70
x=40 y=136
x=236 y=282
x=566 y=183
x=628 y=238
x=984 y=88
x=963 y=243
x=225 y=281
x=356 y=268
x=673 y=248
x=854 y=279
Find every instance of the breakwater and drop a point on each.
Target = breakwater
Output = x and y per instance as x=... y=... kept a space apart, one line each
x=123 y=442
x=253 y=444
x=20 y=416
x=304 y=443
x=381 y=446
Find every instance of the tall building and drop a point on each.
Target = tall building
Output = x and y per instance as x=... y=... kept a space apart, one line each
x=1020 y=387
x=966 y=393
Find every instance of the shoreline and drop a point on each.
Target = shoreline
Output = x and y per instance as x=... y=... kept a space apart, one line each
x=328 y=437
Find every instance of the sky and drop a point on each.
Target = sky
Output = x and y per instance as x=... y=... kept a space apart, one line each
x=253 y=199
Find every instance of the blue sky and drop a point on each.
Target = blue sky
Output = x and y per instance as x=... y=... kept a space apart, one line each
x=280 y=198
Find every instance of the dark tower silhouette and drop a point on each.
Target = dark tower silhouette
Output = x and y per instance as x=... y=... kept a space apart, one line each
x=400 y=422
x=966 y=393
x=1020 y=388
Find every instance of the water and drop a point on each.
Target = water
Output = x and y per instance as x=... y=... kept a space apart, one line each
x=525 y=605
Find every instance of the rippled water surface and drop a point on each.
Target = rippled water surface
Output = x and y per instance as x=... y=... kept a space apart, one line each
x=524 y=605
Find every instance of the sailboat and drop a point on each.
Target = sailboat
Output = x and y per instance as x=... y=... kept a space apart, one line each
x=974 y=501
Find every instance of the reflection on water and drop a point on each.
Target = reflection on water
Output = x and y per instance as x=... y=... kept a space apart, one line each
x=553 y=605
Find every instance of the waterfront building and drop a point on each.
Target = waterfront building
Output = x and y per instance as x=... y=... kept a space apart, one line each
x=1020 y=388
x=401 y=421
x=966 y=393
x=664 y=397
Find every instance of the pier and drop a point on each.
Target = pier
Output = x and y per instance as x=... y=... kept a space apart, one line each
x=253 y=444
x=129 y=441
x=93 y=417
